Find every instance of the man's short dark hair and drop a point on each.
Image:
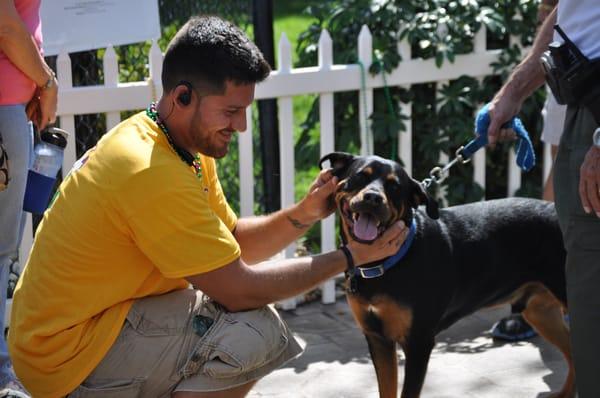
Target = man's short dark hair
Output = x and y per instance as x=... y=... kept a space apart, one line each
x=208 y=51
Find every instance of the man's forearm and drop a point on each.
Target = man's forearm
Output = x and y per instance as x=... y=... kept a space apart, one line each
x=238 y=287
x=262 y=237
x=278 y=280
x=529 y=75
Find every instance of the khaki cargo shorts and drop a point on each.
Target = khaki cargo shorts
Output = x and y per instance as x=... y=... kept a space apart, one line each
x=182 y=341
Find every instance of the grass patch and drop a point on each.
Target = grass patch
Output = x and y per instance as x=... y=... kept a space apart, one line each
x=288 y=18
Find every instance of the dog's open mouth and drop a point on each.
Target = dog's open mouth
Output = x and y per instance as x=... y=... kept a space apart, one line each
x=364 y=226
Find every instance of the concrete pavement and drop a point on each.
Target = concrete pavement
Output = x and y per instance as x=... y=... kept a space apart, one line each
x=466 y=362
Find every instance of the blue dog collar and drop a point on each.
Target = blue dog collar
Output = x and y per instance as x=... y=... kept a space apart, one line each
x=378 y=270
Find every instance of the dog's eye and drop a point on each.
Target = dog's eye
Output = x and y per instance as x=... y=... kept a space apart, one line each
x=360 y=178
x=392 y=187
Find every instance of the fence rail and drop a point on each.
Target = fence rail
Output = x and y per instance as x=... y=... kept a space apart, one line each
x=325 y=79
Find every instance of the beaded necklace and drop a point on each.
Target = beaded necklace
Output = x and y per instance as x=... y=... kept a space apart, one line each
x=184 y=155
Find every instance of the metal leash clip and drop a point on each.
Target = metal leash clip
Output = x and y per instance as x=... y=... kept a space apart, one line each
x=438 y=174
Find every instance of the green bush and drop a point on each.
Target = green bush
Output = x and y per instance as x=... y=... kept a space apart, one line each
x=439 y=29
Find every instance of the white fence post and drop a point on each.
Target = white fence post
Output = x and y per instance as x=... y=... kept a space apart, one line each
x=442 y=30
x=479 y=46
x=514 y=172
x=286 y=146
x=548 y=161
x=286 y=132
x=443 y=157
x=365 y=100
x=26 y=242
x=67 y=121
x=480 y=41
x=111 y=79
x=246 y=167
x=155 y=58
x=479 y=168
x=405 y=138
x=326 y=113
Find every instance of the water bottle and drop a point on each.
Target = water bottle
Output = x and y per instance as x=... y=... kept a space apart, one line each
x=48 y=158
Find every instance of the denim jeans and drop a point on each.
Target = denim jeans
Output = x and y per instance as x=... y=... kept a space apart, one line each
x=17 y=135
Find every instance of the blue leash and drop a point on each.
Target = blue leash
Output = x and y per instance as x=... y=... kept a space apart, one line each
x=525 y=153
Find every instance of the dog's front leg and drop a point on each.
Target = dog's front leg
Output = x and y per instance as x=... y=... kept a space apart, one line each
x=383 y=354
x=417 y=350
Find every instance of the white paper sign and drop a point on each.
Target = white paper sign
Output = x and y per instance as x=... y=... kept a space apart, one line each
x=79 y=25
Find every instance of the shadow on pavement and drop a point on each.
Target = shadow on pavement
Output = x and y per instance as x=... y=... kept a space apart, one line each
x=335 y=344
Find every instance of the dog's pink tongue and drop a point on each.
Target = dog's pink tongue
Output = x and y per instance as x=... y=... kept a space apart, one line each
x=365 y=228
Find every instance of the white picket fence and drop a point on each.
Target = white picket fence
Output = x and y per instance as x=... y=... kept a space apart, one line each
x=284 y=83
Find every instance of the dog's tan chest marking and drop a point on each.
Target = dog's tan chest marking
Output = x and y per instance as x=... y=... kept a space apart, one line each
x=395 y=318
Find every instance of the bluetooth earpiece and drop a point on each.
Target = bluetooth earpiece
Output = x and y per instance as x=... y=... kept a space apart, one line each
x=185 y=98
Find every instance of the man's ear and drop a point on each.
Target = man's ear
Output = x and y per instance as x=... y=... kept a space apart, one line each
x=419 y=196
x=340 y=161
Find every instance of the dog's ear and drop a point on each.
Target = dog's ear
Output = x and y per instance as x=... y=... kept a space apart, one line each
x=340 y=161
x=420 y=196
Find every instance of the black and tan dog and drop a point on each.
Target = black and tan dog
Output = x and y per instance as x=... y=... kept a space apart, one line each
x=460 y=259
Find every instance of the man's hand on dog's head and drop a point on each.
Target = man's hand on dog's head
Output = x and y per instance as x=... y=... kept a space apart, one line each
x=386 y=245
x=318 y=202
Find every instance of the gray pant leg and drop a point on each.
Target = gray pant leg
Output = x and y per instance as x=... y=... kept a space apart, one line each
x=582 y=240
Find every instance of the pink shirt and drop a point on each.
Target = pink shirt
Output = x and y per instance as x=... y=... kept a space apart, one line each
x=16 y=87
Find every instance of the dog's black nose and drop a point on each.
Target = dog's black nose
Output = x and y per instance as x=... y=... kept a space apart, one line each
x=373 y=198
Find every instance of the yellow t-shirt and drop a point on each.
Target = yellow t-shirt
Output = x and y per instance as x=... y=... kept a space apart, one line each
x=131 y=220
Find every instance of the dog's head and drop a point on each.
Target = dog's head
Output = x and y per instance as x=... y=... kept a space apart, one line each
x=373 y=193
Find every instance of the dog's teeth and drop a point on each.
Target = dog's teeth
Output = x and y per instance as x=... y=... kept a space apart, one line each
x=355 y=216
